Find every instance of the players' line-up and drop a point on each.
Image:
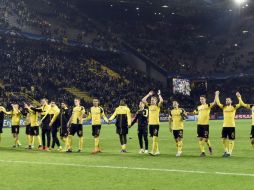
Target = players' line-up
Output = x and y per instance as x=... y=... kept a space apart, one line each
x=69 y=122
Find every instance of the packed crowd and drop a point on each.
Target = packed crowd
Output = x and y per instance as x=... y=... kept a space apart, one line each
x=179 y=47
x=182 y=48
x=54 y=19
x=43 y=69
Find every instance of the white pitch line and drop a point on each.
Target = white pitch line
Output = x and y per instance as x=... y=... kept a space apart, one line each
x=129 y=168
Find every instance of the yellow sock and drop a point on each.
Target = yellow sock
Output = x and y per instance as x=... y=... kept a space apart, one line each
x=231 y=144
x=39 y=140
x=155 y=147
x=225 y=145
x=179 y=146
x=81 y=141
x=201 y=146
x=124 y=147
x=63 y=139
x=97 y=143
x=16 y=141
x=70 y=142
x=30 y=140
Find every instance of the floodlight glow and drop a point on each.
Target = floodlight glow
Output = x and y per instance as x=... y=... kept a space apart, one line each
x=239 y=2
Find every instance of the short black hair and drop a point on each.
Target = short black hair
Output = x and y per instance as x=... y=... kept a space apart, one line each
x=122 y=102
x=203 y=96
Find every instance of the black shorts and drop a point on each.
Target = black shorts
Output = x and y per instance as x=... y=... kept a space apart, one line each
x=1 y=126
x=228 y=132
x=28 y=128
x=34 y=131
x=154 y=130
x=96 y=129
x=252 y=132
x=178 y=134
x=122 y=130
x=203 y=131
x=15 y=129
x=142 y=130
x=64 y=132
x=76 y=128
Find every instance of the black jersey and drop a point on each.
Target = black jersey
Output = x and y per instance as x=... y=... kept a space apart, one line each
x=141 y=117
x=64 y=116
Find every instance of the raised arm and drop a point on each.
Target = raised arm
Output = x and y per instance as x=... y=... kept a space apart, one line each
x=4 y=110
x=241 y=103
x=160 y=99
x=146 y=97
x=217 y=99
x=212 y=104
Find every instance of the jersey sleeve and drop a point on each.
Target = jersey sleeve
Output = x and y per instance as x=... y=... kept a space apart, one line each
x=237 y=106
x=195 y=112
x=134 y=120
x=129 y=116
x=56 y=113
x=217 y=100
x=89 y=116
x=103 y=115
x=248 y=106
x=113 y=116
x=211 y=105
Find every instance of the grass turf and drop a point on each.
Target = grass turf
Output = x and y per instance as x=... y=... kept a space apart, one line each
x=23 y=169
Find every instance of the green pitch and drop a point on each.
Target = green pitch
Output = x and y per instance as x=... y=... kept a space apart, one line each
x=23 y=169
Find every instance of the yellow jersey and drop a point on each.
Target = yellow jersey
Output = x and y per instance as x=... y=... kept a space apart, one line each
x=45 y=109
x=77 y=114
x=203 y=112
x=177 y=120
x=229 y=112
x=154 y=115
x=96 y=113
x=122 y=115
x=27 y=119
x=53 y=112
x=34 y=117
x=15 y=116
